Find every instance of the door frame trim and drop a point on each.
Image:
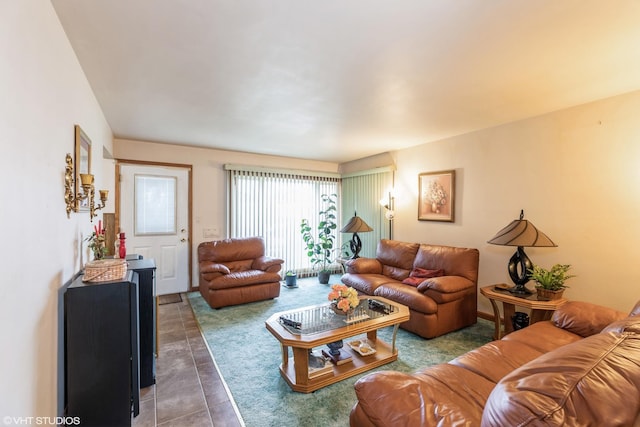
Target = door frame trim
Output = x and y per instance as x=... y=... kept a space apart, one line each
x=189 y=169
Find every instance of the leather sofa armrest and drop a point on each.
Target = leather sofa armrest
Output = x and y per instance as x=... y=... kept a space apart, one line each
x=213 y=267
x=265 y=263
x=584 y=318
x=445 y=284
x=363 y=266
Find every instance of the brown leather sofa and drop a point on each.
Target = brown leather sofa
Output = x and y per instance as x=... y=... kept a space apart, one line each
x=443 y=290
x=581 y=368
x=236 y=271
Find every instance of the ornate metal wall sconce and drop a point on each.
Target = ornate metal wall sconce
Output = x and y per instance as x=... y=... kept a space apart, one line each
x=72 y=199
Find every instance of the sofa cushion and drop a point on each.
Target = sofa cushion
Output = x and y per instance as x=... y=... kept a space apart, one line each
x=583 y=318
x=231 y=249
x=396 y=258
x=413 y=281
x=364 y=283
x=418 y=275
x=446 y=284
x=543 y=336
x=243 y=278
x=442 y=395
x=239 y=265
x=407 y=295
x=497 y=358
x=594 y=381
x=454 y=261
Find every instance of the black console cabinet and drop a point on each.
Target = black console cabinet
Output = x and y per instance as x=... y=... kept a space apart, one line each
x=146 y=269
x=101 y=351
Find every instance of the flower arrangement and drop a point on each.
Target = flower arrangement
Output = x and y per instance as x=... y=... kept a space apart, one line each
x=97 y=242
x=436 y=194
x=345 y=298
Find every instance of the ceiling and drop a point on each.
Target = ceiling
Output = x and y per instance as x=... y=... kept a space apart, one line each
x=340 y=80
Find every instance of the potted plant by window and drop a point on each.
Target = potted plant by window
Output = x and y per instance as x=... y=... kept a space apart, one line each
x=320 y=247
x=290 y=279
x=550 y=283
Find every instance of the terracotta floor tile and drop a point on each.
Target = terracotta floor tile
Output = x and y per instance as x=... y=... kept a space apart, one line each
x=223 y=415
x=197 y=419
x=189 y=390
x=147 y=416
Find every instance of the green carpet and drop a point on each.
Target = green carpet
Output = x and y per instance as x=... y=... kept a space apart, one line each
x=248 y=357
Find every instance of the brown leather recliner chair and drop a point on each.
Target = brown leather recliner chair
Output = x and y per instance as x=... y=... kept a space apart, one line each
x=236 y=271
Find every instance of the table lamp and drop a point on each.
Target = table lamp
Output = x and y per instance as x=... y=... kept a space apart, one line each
x=356 y=225
x=521 y=233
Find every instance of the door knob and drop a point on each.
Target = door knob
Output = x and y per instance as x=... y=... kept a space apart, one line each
x=183 y=240
x=183 y=231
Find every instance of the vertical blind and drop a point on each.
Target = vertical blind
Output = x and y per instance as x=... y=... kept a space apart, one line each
x=361 y=193
x=272 y=205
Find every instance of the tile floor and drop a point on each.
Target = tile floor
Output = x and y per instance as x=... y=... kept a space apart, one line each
x=189 y=390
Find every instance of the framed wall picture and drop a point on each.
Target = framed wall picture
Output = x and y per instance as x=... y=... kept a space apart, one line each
x=82 y=163
x=436 y=196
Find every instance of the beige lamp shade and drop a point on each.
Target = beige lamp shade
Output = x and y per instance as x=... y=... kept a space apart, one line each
x=521 y=232
x=356 y=225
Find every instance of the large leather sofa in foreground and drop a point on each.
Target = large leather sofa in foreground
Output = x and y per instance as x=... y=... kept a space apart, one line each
x=236 y=271
x=439 y=284
x=581 y=368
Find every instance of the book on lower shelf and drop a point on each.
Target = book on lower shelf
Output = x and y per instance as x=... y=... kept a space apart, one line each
x=339 y=358
x=319 y=365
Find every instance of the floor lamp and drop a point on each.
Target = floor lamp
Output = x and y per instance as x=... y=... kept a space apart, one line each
x=389 y=213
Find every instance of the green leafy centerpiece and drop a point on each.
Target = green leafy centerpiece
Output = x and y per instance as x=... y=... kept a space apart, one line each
x=550 y=284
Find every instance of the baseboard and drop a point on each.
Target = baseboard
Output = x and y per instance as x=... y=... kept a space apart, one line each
x=486 y=316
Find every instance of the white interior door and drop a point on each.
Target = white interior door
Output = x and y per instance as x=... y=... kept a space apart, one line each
x=154 y=212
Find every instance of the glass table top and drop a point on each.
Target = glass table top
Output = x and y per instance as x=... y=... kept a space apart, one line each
x=310 y=320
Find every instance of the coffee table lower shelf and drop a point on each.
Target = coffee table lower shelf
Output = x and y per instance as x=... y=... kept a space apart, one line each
x=384 y=354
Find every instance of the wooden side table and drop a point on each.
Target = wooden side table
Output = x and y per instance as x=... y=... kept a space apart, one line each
x=540 y=310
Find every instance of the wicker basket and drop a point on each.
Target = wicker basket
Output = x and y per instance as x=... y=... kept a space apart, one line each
x=105 y=270
x=549 y=295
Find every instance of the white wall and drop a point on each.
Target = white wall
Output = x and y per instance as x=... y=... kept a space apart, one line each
x=44 y=93
x=209 y=182
x=576 y=174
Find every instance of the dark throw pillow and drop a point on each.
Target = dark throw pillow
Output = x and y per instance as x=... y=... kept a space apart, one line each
x=419 y=275
x=413 y=281
x=425 y=274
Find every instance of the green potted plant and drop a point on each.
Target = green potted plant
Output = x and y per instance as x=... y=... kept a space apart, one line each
x=97 y=245
x=550 y=284
x=290 y=279
x=320 y=247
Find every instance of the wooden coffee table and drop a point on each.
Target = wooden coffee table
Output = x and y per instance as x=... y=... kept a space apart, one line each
x=295 y=369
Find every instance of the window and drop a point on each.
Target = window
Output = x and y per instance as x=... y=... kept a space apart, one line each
x=361 y=193
x=272 y=204
x=155 y=205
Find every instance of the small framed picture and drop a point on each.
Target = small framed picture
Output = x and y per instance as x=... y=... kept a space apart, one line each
x=436 y=196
